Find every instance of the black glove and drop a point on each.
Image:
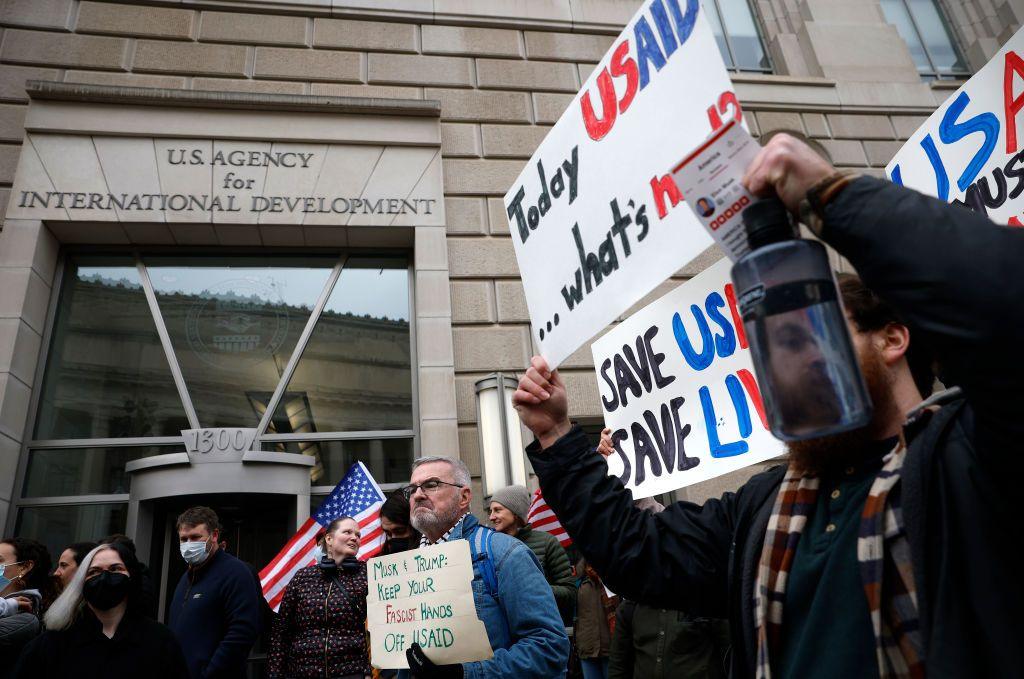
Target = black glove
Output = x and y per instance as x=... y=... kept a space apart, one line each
x=421 y=666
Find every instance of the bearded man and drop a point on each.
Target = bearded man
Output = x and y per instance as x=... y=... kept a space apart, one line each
x=512 y=597
x=884 y=552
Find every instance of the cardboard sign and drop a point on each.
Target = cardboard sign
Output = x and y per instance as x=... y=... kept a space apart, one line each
x=593 y=215
x=424 y=596
x=971 y=150
x=678 y=390
x=710 y=179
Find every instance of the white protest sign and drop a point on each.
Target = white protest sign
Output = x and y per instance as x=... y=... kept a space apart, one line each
x=592 y=215
x=424 y=596
x=970 y=150
x=678 y=389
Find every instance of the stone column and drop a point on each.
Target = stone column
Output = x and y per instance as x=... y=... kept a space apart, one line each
x=28 y=263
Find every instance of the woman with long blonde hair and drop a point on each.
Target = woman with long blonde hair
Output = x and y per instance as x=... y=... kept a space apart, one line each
x=95 y=627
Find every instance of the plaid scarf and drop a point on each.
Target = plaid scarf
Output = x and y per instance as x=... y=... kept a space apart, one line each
x=884 y=556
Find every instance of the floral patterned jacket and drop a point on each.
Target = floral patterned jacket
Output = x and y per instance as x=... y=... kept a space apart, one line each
x=319 y=630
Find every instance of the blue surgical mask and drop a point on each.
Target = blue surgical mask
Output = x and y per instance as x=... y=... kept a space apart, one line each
x=194 y=553
x=4 y=580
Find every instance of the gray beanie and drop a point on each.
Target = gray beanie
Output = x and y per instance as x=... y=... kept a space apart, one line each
x=515 y=498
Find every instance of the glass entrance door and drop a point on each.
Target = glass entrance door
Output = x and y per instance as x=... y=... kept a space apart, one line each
x=254 y=527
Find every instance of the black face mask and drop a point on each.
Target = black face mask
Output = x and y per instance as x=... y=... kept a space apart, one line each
x=106 y=590
x=396 y=545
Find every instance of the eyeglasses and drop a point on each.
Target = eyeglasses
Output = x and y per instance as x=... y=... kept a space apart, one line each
x=5 y=566
x=429 y=487
x=112 y=568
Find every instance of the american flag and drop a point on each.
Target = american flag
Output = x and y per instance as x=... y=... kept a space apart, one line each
x=358 y=496
x=540 y=517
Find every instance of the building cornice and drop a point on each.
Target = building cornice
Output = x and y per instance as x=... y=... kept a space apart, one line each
x=41 y=90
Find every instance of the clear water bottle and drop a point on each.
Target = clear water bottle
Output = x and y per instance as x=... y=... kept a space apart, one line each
x=805 y=361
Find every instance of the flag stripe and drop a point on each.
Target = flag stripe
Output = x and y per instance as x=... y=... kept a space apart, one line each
x=542 y=518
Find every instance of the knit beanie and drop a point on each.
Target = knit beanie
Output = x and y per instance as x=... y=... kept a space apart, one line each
x=515 y=498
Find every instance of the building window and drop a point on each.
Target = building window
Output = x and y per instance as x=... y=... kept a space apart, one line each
x=921 y=24
x=736 y=30
x=324 y=341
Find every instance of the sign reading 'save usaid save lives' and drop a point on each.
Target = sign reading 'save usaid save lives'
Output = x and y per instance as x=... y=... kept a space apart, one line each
x=971 y=150
x=424 y=596
x=678 y=390
x=593 y=215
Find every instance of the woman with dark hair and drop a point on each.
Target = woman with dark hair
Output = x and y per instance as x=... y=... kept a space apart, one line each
x=397 y=526
x=26 y=590
x=67 y=562
x=320 y=628
x=95 y=627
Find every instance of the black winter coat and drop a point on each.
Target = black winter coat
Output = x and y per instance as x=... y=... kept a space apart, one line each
x=141 y=647
x=955 y=277
x=320 y=630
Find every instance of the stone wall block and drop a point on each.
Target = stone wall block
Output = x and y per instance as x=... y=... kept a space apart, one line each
x=456 y=40
x=511 y=302
x=550 y=106
x=306 y=64
x=567 y=46
x=191 y=58
x=58 y=49
x=465 y=216
x=253 y=29
x=364 y=35
x=526 y=75
x=851 y=126
x=481 y=106
x=163 y=22
x=400 y=68
x=480 y=176
x=481 y=257
x=512 y=141
x=493 y=348
x=473 y=302
x=459 y=140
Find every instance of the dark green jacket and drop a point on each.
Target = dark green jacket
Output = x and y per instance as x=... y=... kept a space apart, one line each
x=658 y=643
x=555 y=564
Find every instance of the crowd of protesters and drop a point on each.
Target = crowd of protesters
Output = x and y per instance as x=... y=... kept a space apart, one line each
x=882 y=552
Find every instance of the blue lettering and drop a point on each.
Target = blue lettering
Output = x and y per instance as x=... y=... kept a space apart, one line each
x=941 y=178
x=739 y=402
x=725 y=342
x=703 y=359
x=646 y=50
x=684 y=24
x=668 y=39
x=951 y=131
x=719 y=449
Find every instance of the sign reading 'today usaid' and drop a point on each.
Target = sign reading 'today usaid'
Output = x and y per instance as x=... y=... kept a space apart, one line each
x=593 y=216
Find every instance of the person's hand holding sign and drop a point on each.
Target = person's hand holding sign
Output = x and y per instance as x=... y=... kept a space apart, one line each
x=542 y=403
x=788 y=167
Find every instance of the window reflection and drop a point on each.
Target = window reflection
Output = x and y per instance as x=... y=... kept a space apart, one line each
x=59 y=525
x=389 y=460
x=234 y=322
x=736 y=32
x=355 y=373
x=106 y=375
x=929 y=39
x=83 y=471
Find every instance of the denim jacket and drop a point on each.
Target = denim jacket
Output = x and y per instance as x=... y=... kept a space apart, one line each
x=533 y=643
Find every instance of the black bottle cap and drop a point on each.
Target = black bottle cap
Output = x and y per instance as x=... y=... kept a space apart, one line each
x=768 y=221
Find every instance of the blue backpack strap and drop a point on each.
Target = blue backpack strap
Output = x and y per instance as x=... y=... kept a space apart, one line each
x=480 y=551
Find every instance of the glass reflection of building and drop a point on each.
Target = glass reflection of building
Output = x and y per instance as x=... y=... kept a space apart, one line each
x=109 y=394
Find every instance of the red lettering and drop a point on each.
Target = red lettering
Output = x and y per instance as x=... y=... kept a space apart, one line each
x=726 y=100
x=755 y=394
x=660 y=187
x=597 y=128
x=624 y=65
x=730 y=296
x=1014 y=222
x=1011 y=106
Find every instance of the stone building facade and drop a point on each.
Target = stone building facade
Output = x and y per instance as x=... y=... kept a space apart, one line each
x=454 y=95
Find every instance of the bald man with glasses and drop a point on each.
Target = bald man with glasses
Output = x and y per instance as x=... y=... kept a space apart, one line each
x=511 y=595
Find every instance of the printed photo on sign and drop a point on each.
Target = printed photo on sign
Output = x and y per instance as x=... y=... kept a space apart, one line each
x=971 y=150
x=678 y=390
x=595 y=215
